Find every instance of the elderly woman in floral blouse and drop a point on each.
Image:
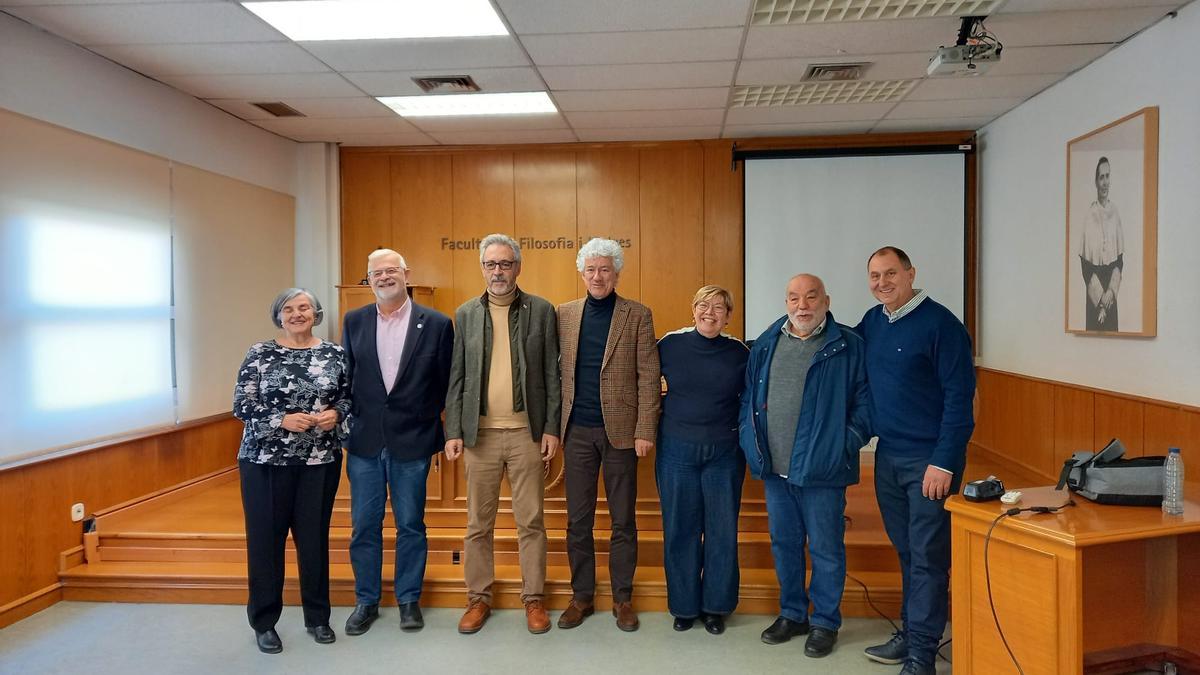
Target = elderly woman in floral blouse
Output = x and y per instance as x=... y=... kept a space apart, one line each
x=293 y=395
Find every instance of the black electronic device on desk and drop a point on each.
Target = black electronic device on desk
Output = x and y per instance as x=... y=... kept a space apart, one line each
x=983 y=490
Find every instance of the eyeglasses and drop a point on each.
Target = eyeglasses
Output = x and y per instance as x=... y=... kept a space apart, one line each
x=717 y=308
x=390 y=271
x=505 y=265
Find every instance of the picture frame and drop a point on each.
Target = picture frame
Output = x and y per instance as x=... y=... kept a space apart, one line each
x=1111 y=270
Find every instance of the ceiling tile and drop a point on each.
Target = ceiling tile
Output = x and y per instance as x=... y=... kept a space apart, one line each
x=456 y=53
x=1015 y=6
x=264 y=87
x=345 y=125
x=642 y=99
x=798 y=114
x=649 y=134
x=1068 y=28
x=671 y=46
x=498 y=137
x=362 y=106
x=790 y=71
x=645 y=118
x=399 y=82
x=940 y=124
x=1055 y=59
x=529 y=17
x=639 y=76
x=855 y=37
x=537 y=122
x=819 y=128
x=182 y=22
x=214 y=59
x=985 y=86
x=980 y=107
x=385 y=139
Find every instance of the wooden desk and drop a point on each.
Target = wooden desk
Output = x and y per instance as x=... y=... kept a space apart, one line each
x=1072 y=584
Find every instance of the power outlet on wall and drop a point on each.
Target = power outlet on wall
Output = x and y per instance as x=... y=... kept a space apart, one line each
x=77 y=512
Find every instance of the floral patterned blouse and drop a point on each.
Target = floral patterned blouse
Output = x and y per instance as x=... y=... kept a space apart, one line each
x=275 y=381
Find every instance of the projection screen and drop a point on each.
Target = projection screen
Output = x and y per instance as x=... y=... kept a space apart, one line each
x=826 y=215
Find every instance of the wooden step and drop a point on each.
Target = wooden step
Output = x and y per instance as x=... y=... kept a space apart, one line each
x=225 y=583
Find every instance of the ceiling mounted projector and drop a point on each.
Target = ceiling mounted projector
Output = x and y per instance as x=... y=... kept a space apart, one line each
x=974 y=52
x=963 y=60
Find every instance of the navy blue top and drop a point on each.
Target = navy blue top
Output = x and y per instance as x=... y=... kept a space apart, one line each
x=593 y=338
x=922 y=379
x=705 y=377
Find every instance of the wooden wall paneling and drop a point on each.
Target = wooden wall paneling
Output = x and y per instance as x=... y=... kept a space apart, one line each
x=483 y=204
x=985 y=414
x=672 y=212
x=546 y=208
x=607 y=188
x=1190 y=449
x=421 y=218
x=724 y=252
x=1074 y=422
x=1119 y=417
x=1163 y=427
x=1025 y=414
x=366 y=211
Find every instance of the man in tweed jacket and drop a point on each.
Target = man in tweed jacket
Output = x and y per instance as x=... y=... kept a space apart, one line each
x=610 y=406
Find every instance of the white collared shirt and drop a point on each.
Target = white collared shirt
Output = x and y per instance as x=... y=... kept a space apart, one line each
x=907 y=307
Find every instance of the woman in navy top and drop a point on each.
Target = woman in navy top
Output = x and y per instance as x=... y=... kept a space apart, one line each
x=698 y=467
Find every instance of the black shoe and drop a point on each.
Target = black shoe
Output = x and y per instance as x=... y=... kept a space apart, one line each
x=410 y=617
x=268 y=641
x=891 y=652
x=782 y=630
x=714 y=623
x=820 y=642
x=681 y=624
x=913 y=668
x=361 y=619
x=322 y=634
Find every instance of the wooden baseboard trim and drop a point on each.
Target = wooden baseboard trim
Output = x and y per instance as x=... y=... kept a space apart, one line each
x=30 y=604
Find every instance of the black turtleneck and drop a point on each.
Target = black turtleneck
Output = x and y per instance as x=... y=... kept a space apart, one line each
x=593 y=337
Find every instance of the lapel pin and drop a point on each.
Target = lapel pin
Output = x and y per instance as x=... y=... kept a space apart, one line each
x=419 y=325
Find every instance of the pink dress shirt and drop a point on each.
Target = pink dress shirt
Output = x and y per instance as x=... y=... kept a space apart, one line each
x=391 y=330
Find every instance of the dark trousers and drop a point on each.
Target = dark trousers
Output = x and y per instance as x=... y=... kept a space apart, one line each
x=700 y=487
x=372 y=479
x=920 y=530
x=586 y=451
x=814 y=516
x=276 y=499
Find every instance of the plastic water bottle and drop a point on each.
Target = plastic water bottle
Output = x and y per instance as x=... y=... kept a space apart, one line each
x=1172 y=503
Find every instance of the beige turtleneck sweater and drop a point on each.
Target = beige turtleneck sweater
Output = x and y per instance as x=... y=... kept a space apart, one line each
x=500 y=373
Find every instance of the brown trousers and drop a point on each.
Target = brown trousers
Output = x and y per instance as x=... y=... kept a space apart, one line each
x=586 y=451
x=496 y=452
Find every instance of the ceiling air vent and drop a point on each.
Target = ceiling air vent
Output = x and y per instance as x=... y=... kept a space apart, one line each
x=278 y=109
x=834 y=72
x=786 y=12
x=446 y=84
x=820 y=93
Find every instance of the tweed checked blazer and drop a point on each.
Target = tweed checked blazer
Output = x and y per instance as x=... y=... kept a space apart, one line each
x=630 y=384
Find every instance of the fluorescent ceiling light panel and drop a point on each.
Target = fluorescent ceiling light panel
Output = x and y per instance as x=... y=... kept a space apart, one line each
x=448 y=105
x=313 y=20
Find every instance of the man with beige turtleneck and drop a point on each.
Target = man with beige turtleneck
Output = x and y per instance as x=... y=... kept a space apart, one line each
x=503 y=414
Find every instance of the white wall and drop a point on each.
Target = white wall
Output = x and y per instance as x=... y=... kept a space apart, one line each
x=47 y=78
x=318 y=233
x=1023 y=212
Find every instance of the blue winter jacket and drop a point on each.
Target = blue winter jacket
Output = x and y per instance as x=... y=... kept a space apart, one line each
x=834 y=415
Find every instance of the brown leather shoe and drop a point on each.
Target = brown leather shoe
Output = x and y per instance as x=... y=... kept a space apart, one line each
x=536 y=617
x=627 y=619
x=477 y=613
x=575 y=613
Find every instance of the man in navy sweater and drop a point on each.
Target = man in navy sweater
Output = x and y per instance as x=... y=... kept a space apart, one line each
x=922 y=381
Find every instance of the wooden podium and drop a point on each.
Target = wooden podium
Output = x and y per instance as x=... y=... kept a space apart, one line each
x=1091 y=588
x=355 y=296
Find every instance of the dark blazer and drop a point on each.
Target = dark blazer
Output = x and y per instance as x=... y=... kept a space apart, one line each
x=408 y=420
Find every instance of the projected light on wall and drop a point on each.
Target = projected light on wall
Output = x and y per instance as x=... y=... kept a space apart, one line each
x=90 y=267
x=85 y=364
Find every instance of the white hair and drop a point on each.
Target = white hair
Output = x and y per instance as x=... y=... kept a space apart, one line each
x=383 y=252
x=500 y=240
x=601 y=248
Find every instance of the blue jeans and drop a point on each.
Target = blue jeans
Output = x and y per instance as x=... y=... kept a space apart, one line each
x=920 y=530
x=815 y=514
x=371 y=479
x=700 y=486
